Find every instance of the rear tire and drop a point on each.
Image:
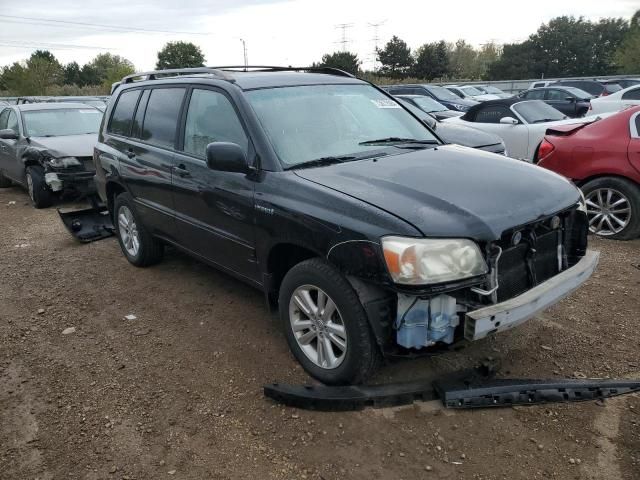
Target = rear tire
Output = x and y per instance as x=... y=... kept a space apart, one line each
x=4 y=181
x=613 y=207
x=138 y=245
x=39 y=193
x=351 y=354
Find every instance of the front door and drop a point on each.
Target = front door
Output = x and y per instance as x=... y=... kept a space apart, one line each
x=558 y=99
x=214 y=209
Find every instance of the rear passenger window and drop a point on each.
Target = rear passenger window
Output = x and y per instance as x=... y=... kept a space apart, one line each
x=122 y=116
x=136 y=129
x=557 y=95
x=492 y=114
x=632 y=95
x=12 y=122
x=211 y=118
x=534 y=95
x=4 y=117
x=161 y=116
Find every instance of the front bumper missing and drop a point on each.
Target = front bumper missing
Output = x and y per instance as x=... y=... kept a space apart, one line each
x=461 y=390
x=505 y=315
x=81 y=181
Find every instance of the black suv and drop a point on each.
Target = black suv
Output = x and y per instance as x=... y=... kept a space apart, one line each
x=371 y=237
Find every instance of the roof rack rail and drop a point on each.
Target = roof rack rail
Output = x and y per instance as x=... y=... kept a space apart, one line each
x=271 y=68
x=154 y=74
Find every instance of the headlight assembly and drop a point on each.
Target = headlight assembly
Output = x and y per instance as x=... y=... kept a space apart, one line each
x=64 y=162
x=461 y=108
x=422 y=261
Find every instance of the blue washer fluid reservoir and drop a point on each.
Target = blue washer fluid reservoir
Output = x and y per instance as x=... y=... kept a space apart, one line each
x=421 y=323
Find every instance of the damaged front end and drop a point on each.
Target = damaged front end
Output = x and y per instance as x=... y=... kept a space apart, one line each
x=66 y=176
x=527 y=270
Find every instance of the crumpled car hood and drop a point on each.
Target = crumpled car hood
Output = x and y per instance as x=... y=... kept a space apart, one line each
x=452 y=191
x=68 y=145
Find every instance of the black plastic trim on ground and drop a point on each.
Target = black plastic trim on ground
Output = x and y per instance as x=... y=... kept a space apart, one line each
x=89 y=224
x=462 y=391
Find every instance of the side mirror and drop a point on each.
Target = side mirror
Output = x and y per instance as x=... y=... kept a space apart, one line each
x=570 y=99
x=430 y=121
x=509 y=121
x=8 y=134
x=226 y=157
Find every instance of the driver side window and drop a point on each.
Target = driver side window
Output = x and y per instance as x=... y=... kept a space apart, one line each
x=492 y=114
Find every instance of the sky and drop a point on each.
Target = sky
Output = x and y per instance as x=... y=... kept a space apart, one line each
x=276 y=32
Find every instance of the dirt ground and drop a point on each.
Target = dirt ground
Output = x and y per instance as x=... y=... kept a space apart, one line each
x=176 y=392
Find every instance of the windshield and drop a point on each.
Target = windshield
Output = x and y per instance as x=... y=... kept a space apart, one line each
x=442 y=93
x=428 y=104
x=472 y=91
x=613 y=87
x=307 y=123
x=61 y=122
x=536 y=111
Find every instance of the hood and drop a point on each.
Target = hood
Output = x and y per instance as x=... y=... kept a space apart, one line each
x=452 y=191
x=68 y=145
x=466 y=136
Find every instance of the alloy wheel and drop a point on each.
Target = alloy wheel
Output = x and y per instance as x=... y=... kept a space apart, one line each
x=608 y=211
x=317 y=326
x=128 y=231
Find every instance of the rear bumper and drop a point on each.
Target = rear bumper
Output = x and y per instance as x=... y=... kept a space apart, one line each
x=508 y=314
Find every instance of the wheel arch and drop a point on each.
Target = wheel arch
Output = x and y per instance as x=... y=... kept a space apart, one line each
x=113 y=189
x=580 y=183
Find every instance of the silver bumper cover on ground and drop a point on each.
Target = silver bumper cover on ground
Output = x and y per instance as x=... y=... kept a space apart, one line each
x=502 y=316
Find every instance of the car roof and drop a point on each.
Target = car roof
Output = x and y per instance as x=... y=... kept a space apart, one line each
x=26 y=107
x=249 y=80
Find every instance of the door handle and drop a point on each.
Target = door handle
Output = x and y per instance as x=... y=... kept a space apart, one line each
x=131 y=153
x=182 y=171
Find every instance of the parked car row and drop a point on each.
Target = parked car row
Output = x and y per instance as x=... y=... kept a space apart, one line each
x=367 y=230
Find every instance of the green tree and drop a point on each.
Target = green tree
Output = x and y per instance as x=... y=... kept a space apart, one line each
x=488 y=54
x=180 y=55
x=566 y=46
x=462 y=61
x=33 y=76
x=106 y=69
x=346 y=61
x=432 y=61
x=395 y=58
x=71 y=74
x=627 y=56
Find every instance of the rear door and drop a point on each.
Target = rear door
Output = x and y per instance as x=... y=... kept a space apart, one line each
x=214 y=209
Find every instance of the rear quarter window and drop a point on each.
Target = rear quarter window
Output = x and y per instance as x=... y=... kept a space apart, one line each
x=162 y=116
x=122 y=116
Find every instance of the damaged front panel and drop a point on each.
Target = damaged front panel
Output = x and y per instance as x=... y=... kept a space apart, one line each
x=62 y=173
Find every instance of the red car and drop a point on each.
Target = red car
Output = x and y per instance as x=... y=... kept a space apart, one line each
x=603 y=159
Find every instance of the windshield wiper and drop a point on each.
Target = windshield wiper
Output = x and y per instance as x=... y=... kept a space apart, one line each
x=395 y=140
x=319 y=162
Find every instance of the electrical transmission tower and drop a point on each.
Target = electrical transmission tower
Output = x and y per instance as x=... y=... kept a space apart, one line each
x=344 y=40
x=376 y=41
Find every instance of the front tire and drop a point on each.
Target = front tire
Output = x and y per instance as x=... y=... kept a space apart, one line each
x=326 y=326
x=39 y=193
x=613 y=207
x=138 y=245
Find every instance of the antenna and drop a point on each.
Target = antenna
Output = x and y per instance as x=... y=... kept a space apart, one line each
x=344 y=41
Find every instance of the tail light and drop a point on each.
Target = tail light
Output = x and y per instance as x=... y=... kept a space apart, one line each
x=545 y=149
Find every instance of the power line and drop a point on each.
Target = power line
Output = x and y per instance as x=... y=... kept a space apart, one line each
x=344 y=41
x=60 y=23
x=29 y=45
